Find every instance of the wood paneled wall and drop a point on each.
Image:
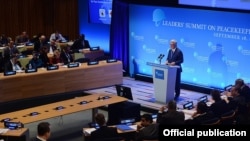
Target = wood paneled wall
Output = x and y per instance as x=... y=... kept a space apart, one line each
x=39 y=16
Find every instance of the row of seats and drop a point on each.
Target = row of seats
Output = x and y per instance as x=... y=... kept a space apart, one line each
x=226 y=119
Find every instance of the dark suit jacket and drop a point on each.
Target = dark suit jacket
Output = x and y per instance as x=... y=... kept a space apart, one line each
x=104 y=132
x=245 y=91
x=7 y=52
x=176 y=57
x=149 y=132
x=78 y=45
x=171 y=118
x=65 y=58
x=38 y=45
x=220 y=107
x=36 y=139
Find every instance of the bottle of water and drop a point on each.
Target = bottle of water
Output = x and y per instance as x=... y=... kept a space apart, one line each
x=30 y=66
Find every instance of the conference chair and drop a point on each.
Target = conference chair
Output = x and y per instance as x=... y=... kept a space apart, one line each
x=110 y=139
x=228 y=118
x=82 y=60
x=105 y=57
x=213 y=121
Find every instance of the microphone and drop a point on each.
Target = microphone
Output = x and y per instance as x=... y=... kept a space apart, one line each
x=162 y=55
x=159 y=57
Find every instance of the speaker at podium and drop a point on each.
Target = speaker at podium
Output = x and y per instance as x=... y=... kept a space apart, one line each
x=164 y=78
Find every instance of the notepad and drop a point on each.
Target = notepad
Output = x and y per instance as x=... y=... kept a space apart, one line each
x=89 y=130
x=124 y=127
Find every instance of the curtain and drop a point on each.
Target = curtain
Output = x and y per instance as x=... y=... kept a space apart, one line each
x=119 y=28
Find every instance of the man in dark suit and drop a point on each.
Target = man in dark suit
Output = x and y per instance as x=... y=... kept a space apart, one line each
x=104 y=131
x=43 y=132
x=244 y=89
x=147 y=129
x=175 y=58
x=66 y=56
x=10 y=51
x=80 y=43
x=40 y=43
x=172 y=116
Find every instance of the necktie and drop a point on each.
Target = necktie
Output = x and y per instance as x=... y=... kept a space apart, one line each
x=172 y=53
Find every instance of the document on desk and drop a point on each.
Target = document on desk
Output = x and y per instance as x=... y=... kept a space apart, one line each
x=134 y=127
x=89 y=130
x=3 y=130
x=124 y=127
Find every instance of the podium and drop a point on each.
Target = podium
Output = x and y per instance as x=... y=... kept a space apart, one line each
x=164 y=78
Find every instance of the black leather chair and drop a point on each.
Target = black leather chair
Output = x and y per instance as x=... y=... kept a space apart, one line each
x=228 y=118
x=123 y=110
x=105 y=57
x=213 y=121
x=82 y=60
x=110 y=139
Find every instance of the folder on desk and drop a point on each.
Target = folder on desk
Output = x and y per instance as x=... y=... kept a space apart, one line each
x=124 y=127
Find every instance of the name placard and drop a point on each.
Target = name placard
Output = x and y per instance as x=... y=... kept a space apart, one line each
x=93 y=62
x=30 y=70
x=94 y=48
x=188 y=105
x=73 y=65
x=7 y=73
x=52 y=67
x=111 y=60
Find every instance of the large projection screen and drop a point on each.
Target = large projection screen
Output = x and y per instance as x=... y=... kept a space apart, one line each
x=215 y=44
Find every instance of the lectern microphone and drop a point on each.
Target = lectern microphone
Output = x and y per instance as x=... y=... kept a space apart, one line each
x=160 y=57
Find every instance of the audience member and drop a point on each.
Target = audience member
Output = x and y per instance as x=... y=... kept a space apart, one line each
x=219 y=106
x=147 y=129
x=22 y=39
x=13 y=65
x=56 y=59
x=201 y=116
x=103 y=132
x=40 y=43
x=10 y=51
x=237 y=102
x=66 y=56
x=3 y=40
x=35 y=62
x=244 y=89
x=52 y=47
x=44 y=57
x=80 y=43
x=172 y=116
x=57 y=37
x=43 y=132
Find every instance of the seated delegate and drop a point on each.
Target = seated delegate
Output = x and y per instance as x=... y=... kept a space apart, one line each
x=104 y=131
x=80 y=43
x=35 y=62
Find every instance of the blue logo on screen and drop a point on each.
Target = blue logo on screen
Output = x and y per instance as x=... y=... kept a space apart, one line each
x=159 y=74
x=158 y=16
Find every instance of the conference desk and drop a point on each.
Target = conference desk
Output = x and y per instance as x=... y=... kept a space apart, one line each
x=21 y=134
x=70 y=106
x=87 y=53
x=127 y=135
x=20 y=48
x=44 y=82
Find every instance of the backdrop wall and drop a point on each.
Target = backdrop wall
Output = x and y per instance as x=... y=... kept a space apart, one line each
x=215 y=43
